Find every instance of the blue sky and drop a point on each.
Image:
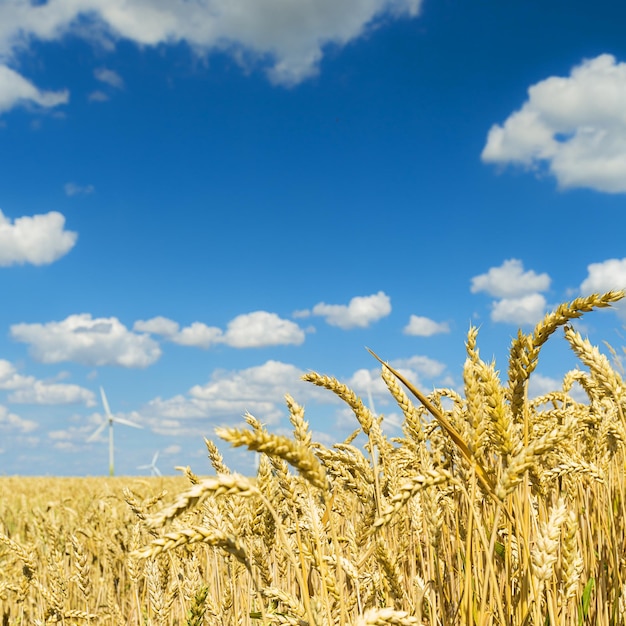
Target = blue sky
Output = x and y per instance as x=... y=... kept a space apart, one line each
x=201 y=201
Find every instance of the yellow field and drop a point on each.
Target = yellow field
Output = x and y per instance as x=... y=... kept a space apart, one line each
x=63 y=555
x=489 y=510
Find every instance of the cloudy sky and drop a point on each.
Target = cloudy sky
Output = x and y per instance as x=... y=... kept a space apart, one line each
x=201 y=200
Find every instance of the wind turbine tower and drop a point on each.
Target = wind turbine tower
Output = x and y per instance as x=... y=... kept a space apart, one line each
x=110 y=418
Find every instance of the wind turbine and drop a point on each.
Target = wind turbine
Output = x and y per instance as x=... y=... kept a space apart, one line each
x=154 y=470
x=110 y=418
x=370 y=399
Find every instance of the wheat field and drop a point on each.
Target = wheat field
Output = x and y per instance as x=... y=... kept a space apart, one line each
x=490 y=509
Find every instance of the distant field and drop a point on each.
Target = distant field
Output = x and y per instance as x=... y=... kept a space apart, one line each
x=26 y=493
x=21 y=498
x=64 y=546
x=495 y=511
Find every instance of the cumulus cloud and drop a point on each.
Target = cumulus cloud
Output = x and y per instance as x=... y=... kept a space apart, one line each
x=286 y=38
x=261 y=328
x=93 y=342
x=251 y=330
x=16 y=90
x=71 y=439
x=424 y=327
x=421 y=365
x=573 y=125
x=609 y=275
x=227 y=395
x=360 y=312
x=10 y=379
x=157 y=326
x=41 y=392
x=525 y=310
x=416 y=369
x=269 y=381
x=539 y=385
x=519 y=300
x=369 y=385
x=199 y=335
x=29 y=390
x=368 y=381
x=39 y=240
x=260 y=390
x=510 y=281
x=11 y=421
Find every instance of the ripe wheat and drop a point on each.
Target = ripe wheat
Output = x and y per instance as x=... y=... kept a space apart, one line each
x=490 y=509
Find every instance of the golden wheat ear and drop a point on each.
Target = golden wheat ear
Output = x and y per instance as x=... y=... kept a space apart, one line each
x=445 y=424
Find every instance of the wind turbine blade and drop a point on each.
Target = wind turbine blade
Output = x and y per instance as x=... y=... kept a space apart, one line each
x=97 y=433
x=121 y=420
x=370 y=399
x=105 y=403
x=154 y=470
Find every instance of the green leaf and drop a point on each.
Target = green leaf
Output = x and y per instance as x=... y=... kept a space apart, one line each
x=500 y=550
x=583 y=609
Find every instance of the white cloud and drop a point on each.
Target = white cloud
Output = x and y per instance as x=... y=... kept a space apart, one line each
x=71 y=439
x=29 y=390
x=287 y=38
x=575 y=125
x=72 y=189
x=41 y=392
x=261 y=328
x=366 y=381
x=250 y=330
x=510 y=281
x=11 y=421
x=93 y=342
x=199 y=335
x=227 y=396
x=610 y=275
x=539 y=385
x=157 y=326
x=40 y=239
x=525 y=310
x=269 y=381
x=109 y=77
x=360 y=312
x=66 y=446
x=519 y=300
x=16 y=90
x=421 y=365
x=260 y=390
x=424 y=327
x=10 y=379
x=369 y=381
